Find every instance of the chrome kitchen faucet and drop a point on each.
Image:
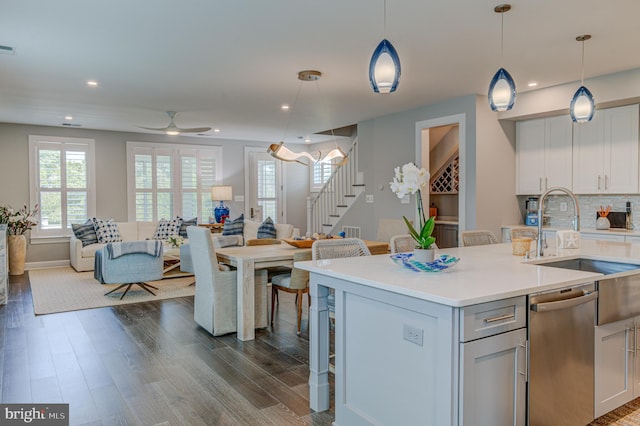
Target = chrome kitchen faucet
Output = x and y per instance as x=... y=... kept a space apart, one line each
x=543 y=197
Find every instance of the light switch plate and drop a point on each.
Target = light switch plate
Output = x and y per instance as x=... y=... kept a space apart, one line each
x=405 y=199
x=238 y=198
x=369 y=198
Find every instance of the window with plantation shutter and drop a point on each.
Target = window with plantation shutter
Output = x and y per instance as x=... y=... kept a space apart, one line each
x=320 y=173
x=167 y=180
x=62 y=183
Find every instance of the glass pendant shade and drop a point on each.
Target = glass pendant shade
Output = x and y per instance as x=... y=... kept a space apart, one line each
x=384 y=68
x=582 y=106
x=333 y=154
x=502 y=91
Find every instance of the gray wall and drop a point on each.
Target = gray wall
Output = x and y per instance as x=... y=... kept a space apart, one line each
x=111 y=175
x=489 y=150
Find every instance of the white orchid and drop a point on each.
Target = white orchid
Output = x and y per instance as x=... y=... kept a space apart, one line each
x=409 y=180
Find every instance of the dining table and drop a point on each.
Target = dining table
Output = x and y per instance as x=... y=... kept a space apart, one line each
x=248 y=259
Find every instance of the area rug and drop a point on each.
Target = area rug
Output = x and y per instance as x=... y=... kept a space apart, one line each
x=63 y=289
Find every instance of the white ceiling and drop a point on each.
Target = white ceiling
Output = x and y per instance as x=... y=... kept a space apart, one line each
x=230 y=64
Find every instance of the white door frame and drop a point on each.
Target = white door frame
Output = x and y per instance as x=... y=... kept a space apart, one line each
x=247 y=184
x=459 y=119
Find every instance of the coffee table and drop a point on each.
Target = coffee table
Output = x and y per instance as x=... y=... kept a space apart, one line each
x=171 y=257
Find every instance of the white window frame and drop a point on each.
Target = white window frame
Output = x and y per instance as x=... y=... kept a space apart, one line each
x=36 y=142
x=317 y=187
x=176 y=151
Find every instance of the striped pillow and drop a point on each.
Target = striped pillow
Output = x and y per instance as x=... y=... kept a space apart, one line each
x=85 y=232
x=267 y=229
x=234 y=227
x=185 y=223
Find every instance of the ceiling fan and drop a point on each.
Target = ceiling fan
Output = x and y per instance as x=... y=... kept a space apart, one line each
x=173 y=130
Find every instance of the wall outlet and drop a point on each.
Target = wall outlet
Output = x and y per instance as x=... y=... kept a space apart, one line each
x=238 y=198
x=412 y=334
x=369 y=198
x=563 y=206
x=405 y=199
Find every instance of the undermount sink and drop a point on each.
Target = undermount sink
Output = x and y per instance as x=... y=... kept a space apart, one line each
x=591 y=265
x=618 y=295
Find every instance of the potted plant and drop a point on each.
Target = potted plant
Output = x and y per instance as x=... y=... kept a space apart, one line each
x=409 y=180
x=18 y=223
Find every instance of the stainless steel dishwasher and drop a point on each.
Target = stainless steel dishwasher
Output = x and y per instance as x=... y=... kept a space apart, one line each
x=561 y=339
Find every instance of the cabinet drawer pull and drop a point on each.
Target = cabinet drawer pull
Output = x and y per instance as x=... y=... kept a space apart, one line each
x=500 y=318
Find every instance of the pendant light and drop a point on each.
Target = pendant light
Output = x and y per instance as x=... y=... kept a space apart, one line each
x=384 y=68
x=502 y=89
x=283 y=153
x=582 y=105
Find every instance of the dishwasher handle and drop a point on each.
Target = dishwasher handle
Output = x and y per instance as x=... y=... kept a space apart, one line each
x=586 y=297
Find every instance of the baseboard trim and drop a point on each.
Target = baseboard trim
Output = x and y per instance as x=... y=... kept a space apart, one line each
x=46 y=265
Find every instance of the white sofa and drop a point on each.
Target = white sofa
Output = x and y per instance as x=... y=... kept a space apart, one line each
x=82 y=258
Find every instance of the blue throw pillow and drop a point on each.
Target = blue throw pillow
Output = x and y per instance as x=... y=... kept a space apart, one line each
x=234 y=227
x=106 y=230
x=185 y=223
x=85 y=232
x=267 y=229
x=167 y=228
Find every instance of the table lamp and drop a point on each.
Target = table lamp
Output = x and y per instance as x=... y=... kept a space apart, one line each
x=222 y=193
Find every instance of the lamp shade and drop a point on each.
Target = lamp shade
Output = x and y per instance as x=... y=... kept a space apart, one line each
x=221 y=193
x=384 y=68
x=582 y=106
x=502 y=91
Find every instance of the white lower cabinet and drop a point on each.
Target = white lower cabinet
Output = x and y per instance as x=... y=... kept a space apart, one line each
x=617 y=364
x=494 y=380
x=493 y=367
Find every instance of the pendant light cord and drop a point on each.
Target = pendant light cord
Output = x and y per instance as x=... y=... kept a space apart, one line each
x=582 y=72
x=286 y=127
x=385 y=20
x=502 y=38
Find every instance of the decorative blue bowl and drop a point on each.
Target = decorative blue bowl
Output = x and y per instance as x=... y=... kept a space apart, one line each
x=443 y=262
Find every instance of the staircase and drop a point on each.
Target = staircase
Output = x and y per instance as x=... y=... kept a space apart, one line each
x=342 y=189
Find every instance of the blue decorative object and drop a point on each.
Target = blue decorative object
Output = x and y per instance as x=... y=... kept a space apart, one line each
x=582 y=106
x=502 y=91
x=444 y=262
x=220 y=211
x=384 y=68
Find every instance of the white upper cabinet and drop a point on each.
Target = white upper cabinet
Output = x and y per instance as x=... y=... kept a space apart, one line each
x=605 y=152
x=543 y=154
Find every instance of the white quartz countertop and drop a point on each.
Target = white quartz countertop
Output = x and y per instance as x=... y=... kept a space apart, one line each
x=614 y=231
x=483 y=274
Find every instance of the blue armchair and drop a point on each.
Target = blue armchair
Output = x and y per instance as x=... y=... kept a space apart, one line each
x=129 y=263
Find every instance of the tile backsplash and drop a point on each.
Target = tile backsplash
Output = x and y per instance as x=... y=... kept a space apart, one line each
x=589 y=205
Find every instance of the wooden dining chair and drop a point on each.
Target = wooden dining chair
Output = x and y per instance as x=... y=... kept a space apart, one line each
x=295 y=282
x=402 y=243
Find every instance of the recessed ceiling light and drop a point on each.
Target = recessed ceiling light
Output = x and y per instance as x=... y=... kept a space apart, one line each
x=307 y=140
x=285 y=107
x=68 y=117
x=532 y=84
x=92 y=83
x=216 y=130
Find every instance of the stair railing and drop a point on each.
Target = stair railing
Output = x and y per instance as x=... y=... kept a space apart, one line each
x=325 y=204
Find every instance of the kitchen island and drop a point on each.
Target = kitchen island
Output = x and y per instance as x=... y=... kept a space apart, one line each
x=409 y=345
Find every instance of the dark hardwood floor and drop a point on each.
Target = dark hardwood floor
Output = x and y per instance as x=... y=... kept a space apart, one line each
x=149 y=363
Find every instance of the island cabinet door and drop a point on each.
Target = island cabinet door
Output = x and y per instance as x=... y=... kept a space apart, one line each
x=614 y=352
x=493 y=380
